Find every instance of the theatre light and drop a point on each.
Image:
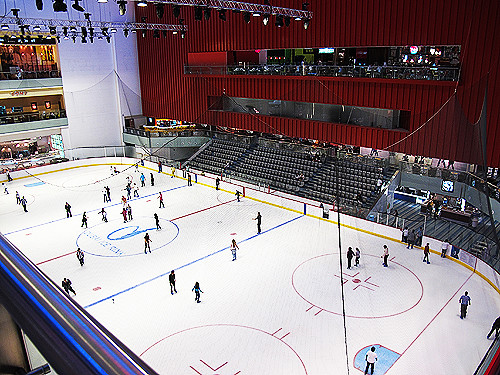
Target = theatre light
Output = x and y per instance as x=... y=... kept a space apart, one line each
x=76 y=6
x=222 y=14
x=306 y=24
x=207 y=12
x=142 y=4
x=176 y=9
x=198 y=13
x=160 y=9
x=39 y=4
x=246 y=17
x=59 y=6
x=122 y=7
x=279 y=21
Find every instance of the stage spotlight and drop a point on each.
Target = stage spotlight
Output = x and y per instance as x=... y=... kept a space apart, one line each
x=15 y=12
x=143 y=33
x=287 y=21
x=122 y=7
x=87 y=16
x=76 y=6
x=265 y=19
x=91 y=32
x=59 y=6
x=84 y=32
x=198 y=13
x=52 y=30
x=164 y=33
x=246 y=17
x=305 y=6
x=156 y=34
x=39 y=4
x=125 y=33
x=5 y=27
x=176 y=9
x=279 y=21
x=72 y=29
x=102 y=1
x=183 y=34
x=37 y=28
x=306 y=24
x=222 y=14
x=142 y=4
x=160 y=9
x=112 y=30
x=207 y=12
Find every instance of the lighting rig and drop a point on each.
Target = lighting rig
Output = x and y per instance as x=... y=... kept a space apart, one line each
x=82 y=29
x=202 y=9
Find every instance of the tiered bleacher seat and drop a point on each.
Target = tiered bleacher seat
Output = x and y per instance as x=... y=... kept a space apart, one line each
x=219 y=155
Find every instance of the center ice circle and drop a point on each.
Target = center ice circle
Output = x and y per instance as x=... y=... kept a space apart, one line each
x=118 y=239
x=370 y=290
x=251 y=351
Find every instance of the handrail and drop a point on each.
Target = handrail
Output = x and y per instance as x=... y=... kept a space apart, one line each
x=69 y=338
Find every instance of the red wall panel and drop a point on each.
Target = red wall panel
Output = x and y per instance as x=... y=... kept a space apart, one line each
x=450 y=133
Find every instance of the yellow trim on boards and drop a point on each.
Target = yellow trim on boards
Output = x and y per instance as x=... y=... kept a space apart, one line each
x=274 y=205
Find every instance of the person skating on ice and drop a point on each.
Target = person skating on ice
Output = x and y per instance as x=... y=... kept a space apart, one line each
x=147 y=241
x=104 y=215
x=67 y=207
x=84 y=220
x=171 y=280
x=358 y=255
x=444 y=248
x=189 y=179
x=143 y=180
x=160 y=197
x=464 y=303
x=18 y=198
x=124 y=213
x=108 y=192
x=197 y=291
x=350 y=255
x=129 y=212
x=385 y=255
x=157 y=221
x=259 y=221
x=105 y=194
x=23 y=203
x=237 y=195
x=370 y=358
x=233 y=248
x=124 y=201
x=136 y=190
x=152 y=179
x=80 y=256
x=66 y=284
x=217 y=183
x=495 y=327
x=172 y=170
x=426 y=254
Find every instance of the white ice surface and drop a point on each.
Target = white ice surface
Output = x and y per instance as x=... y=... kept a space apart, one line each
x=275 y=310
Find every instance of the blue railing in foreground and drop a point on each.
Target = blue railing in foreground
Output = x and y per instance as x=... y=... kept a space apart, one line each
x=69 y=338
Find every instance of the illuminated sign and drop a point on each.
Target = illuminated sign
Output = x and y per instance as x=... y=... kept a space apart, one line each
x=18 y=93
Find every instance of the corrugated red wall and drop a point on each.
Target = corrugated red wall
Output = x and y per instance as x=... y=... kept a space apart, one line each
x=168 y=93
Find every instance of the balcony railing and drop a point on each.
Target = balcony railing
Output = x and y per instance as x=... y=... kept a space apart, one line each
x=385 y=72
x=27 y=74
x=17 y=117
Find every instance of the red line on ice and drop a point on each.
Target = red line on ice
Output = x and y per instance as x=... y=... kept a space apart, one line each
x=285 y=336
x=309 y=308
x=213 y=369
x=60 y=256
x=204 y=209
x=196 y=370
x=277 y=331
x=318 y=312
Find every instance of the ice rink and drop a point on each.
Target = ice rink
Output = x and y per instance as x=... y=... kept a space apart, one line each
x=276 y=309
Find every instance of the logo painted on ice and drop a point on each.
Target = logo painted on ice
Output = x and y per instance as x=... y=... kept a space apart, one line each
x=133 y=233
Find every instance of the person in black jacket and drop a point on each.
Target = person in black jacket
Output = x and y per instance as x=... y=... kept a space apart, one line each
x=495 y=327
x=259 y=221
x=171 y=279
x=66 y=284
x=350 y=255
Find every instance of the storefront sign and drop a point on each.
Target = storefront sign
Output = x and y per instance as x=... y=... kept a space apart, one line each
x=18 y=93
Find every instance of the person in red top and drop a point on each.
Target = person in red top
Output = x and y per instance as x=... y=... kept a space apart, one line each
x=160 y=197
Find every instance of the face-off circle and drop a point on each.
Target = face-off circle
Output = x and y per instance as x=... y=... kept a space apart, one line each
x=370 y=291
x=224 y=349
x=119 y=239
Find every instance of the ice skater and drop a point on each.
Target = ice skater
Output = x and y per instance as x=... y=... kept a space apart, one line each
x=147 y=241
x=105 y=194
x=124 y=213
x=464 y=303
x=237 y=195
x=84 y=220
x=129 y=212
x=171 y=280
x=23 y=203
x=233 y=248
x=426 y=253
x=444 y=248
x=259 y=221
x=157 y=221
x=197 y=291
x=160 y=197
x=350 y=255
x=172 y=170
x=18 y=198
x=80 y=256
x=371 y=358
x=67 y=207
x=152 y=180
x=108 y=192
x=124 y=201
x=104 y=215
x=128 y=188
x=217 y=183
x=66 y=284
x=358 y=255
x=189 y=179
x=159 y=167
x=9 y=178
x=136 y=190
x=143 y=180
x=495 y=327
x=385 y=255
x=5 y=191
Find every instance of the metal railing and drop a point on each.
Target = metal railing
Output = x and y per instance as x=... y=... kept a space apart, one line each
x=438 y=73
x=18 y=117
x=30 y=74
